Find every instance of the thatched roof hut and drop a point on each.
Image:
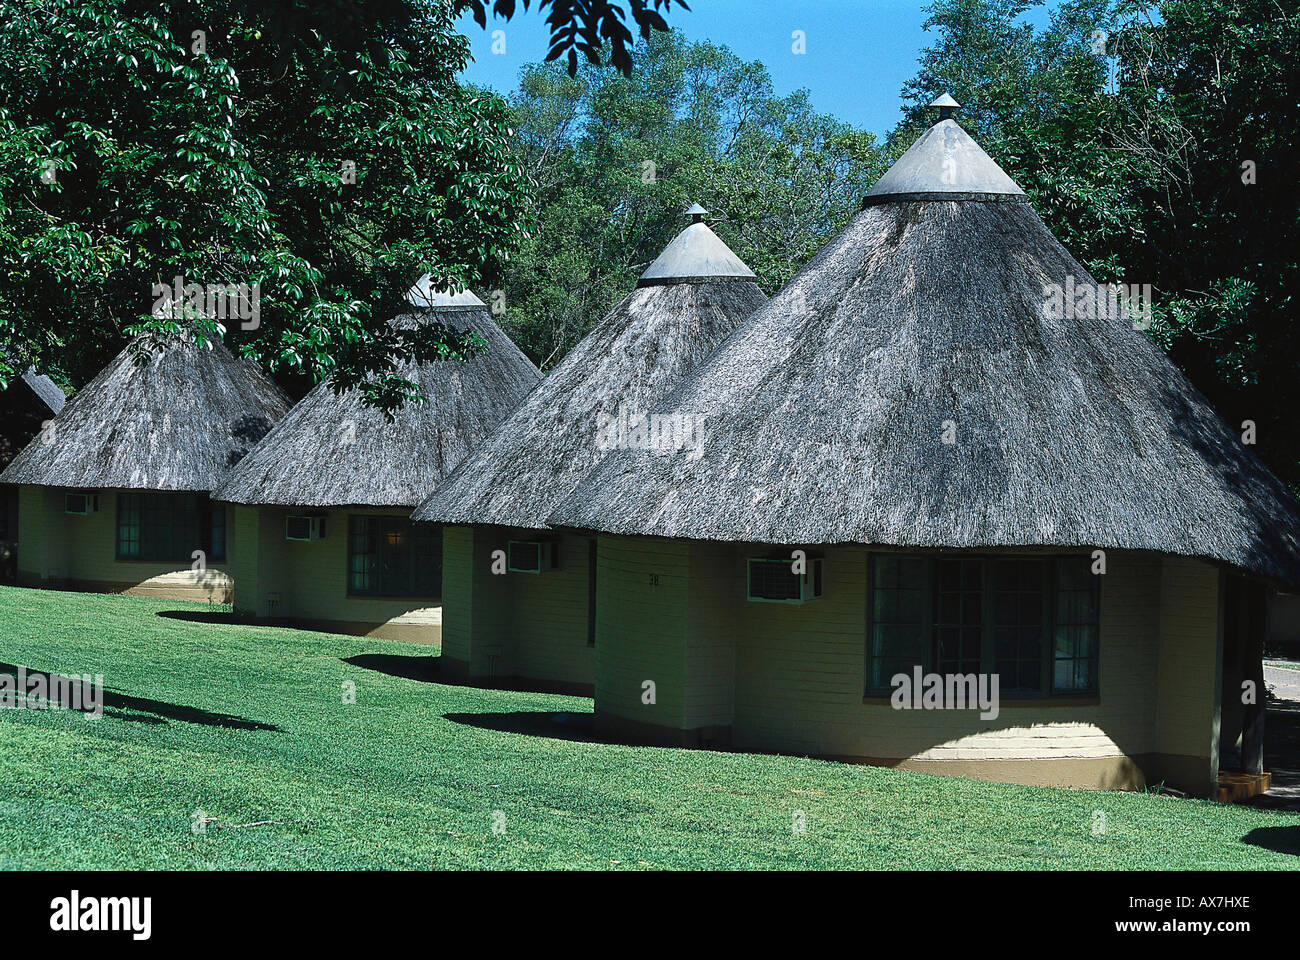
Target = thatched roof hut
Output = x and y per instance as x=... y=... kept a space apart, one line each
x=826 y=412
x=43 y=390
x=334 y=450
x=688 y=300
x=28 y=401
x=173 y=418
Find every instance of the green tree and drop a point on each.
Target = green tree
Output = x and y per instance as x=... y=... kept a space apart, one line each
x=590 y=27
x=617 y=159
x=1128 y=123
x=1042 y=103
x=1210 y=93
x=212 y=140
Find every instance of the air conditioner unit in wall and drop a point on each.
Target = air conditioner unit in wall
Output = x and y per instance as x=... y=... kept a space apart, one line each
x=774 y=581
x=530 y=556
x=304 y=528
x=81 y=504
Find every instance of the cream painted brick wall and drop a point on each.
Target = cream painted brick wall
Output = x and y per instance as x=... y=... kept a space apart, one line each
x=476 y=606
x=799 y=667
x=43 y=536
x=256 y=561
x=548 y=631
x=710 y=635
x=311 y=577
x=1188 y=659
x=457 y=590
x=640 y=628
x=791 y=677
x=537 y=622
x=55 y=545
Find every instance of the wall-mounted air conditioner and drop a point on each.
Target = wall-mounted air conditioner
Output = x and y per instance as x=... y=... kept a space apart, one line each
x=81 y=504
x=304 y=528
x=530 y=556
x=774 y=581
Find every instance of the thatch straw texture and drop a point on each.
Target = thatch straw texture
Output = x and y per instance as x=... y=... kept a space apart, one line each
x=177 y=421
x=334 y=450
x=825 y=414
x=631 y=359
x=44 y=390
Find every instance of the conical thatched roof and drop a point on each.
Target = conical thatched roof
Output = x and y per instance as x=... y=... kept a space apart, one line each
x=334 y=450
x=689 y=300
x=826 y=412
x=179 y=420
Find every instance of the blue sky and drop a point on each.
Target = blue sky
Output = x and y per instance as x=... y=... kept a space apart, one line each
x=859 y=52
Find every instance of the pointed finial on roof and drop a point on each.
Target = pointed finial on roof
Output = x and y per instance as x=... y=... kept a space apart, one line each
x=946 y=105
x=945 y=162
x=695 y=253
x=423 y=294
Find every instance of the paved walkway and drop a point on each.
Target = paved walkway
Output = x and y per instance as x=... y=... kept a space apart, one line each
x=1282 y=735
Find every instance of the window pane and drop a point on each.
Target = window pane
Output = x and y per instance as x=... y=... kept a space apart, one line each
x=361 y=554
x=427 y=560
x=217 y=535
x=1018 y=614
x=958 y=615
x=898 y=641
x=1076 y=626
x=128 y=525
x=395 y=558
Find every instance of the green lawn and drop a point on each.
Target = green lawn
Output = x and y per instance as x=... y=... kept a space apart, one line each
x=248 y=724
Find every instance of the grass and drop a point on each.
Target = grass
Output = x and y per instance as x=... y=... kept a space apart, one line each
x=248 y=724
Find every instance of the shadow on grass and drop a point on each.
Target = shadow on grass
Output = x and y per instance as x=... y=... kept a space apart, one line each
x=576 y=727
x=135 y=717
x=422 y=668
x=204 y=616
x=1277 y=839
x=159 y=708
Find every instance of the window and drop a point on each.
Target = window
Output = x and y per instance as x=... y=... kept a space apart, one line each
x=900 y=621
x=1020 y=611
x=1031 y=620
x=169 y=527
x=393 y=557
x=128 y=526
x=1075 y=648
x=958 y=615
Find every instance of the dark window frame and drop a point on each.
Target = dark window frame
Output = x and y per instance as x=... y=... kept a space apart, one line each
x=930 y=623
x=168 y=526
x=411 y=570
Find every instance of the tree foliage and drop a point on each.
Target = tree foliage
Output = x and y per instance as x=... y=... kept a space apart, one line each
x=134 y=150
x=1128 y=123
x=618 y=159
x=588 y=27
